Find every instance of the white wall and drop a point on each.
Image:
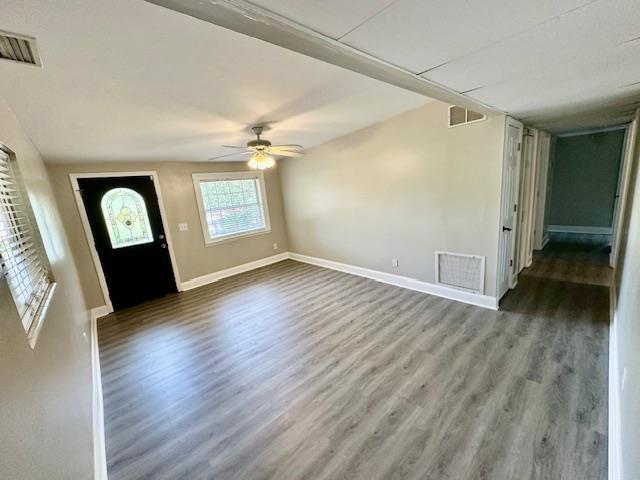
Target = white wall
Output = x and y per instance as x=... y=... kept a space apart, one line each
x=625 y=340
x=45 y=393
x=403 y=189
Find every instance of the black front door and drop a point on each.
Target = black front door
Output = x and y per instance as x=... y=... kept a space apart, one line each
x=127 y=228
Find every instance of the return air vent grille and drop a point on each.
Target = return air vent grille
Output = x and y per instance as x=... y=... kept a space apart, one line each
x=19 y=48
x=461 y=271
x=462 y=116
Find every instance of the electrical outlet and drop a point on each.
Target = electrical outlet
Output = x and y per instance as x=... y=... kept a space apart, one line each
x=394 y=262
x=275 y=246
x=183 y=227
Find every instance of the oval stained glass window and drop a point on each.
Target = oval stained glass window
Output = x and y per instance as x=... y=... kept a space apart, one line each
x=125 y=214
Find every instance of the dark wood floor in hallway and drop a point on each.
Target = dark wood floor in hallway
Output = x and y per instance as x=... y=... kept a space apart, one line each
x=298 y=372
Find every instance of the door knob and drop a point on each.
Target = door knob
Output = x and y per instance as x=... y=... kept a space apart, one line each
x=163 y=245
x=506 y=229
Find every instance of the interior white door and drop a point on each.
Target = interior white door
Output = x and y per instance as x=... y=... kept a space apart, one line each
x=509 y=206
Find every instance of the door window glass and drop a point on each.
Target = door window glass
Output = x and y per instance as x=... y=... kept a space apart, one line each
x=125 y=215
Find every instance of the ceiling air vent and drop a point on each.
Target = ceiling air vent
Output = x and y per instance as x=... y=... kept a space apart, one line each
x=458 y=270
x=19 y=48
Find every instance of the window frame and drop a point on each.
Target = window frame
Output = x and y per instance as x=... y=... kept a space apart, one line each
x=230 y=176
x=36 y=312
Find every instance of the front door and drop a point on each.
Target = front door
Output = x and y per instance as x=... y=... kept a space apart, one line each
x=128 y=233
x=508 y=210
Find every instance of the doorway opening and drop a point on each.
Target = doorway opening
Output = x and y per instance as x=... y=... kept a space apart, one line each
x=125 y=226
x=572 y=191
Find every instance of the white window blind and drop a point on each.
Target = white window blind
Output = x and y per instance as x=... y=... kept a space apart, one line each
x=21 y=255
x=231 y=205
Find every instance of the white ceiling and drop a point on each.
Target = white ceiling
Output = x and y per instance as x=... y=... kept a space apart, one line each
x=128 y=80
x=553 y=63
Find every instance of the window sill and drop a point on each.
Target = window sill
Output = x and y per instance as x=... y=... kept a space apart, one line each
x=211 y=242
x=34 y=331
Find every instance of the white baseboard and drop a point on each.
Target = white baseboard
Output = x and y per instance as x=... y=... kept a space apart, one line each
x=614 y=433
x=579 y=229
x=545 y=241
x=401 y=281
x=99 y=449
x=219 y=275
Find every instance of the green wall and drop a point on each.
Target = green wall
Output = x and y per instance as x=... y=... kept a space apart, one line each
x=585 y=179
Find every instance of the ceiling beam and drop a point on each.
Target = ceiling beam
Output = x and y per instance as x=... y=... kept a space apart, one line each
x=248 y=19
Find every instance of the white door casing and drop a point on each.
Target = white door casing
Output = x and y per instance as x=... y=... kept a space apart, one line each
x=541 y=190
x=507 y=270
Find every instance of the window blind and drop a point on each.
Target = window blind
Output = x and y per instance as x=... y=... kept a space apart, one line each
x=21 y=259
x=232 y=207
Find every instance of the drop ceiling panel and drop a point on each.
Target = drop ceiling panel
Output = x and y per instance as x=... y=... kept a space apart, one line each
x=333 y=18
x=589 y=32
x=421 y=34
x=581 y=82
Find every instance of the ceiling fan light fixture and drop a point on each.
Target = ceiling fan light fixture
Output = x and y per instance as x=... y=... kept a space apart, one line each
x=261 y=161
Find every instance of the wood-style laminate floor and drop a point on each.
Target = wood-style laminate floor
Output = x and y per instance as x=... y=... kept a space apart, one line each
x=297 y=372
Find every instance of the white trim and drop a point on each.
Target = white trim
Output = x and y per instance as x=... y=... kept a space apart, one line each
x=512 y=279
x=228 y=272
x=543 y=188
x=101 y=311
x=485 y=301
x=614 y=433
x=217 y=177
x=89 y=234
x=627 y=159
x=99 y=450
x=482 y=259
x=545 y=241
x=579 y=229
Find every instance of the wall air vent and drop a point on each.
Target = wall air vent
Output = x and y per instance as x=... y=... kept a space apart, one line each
x=462 y=116
x=19 y=48
x=458 y=270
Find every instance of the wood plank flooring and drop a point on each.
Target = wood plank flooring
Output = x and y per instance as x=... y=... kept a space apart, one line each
x=297 y=372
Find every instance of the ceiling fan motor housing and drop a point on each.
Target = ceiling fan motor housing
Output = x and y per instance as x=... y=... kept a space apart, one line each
x=259 y=144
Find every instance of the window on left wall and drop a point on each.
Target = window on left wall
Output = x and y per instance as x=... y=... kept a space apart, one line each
x=23 y=262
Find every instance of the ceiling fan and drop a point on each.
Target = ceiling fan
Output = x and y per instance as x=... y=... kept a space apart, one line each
x=262 y=151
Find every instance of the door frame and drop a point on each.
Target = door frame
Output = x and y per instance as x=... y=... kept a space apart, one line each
x=624 y=179
x=544 y=143
x=512 y=281
x=73 y=177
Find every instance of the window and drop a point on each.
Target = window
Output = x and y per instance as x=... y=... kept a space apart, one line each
x=22 y=259
x=462 y=116
x=125 y=214
x=231 y=205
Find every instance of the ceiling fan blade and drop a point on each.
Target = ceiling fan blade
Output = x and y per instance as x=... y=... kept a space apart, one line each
x=284 y=153
x=234 y=146
x=289 y=147
x=234 y=154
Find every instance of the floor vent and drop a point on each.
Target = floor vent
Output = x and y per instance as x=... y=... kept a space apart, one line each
x=458 y=270
x=19 y=48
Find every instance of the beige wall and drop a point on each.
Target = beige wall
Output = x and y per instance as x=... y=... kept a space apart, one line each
x=626 y=329
x=194 y=259
x=45 y=393
x=403 y=189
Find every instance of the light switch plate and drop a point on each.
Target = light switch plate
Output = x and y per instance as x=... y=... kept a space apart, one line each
x=183 y=227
